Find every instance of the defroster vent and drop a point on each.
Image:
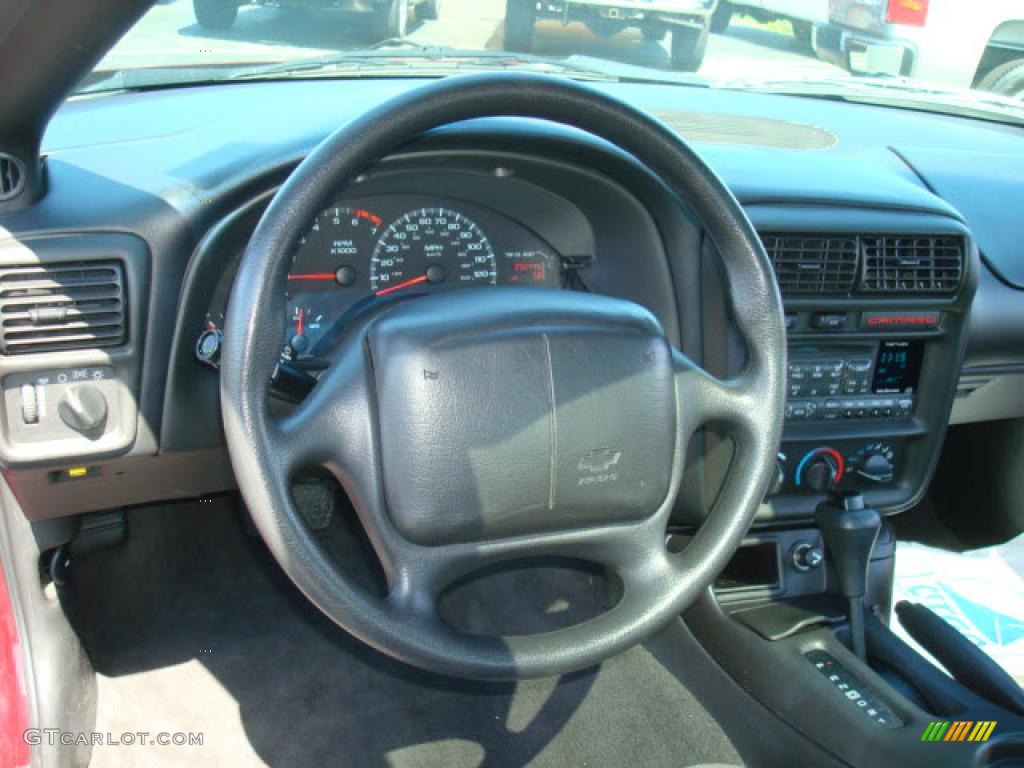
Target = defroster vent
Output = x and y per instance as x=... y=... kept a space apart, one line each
x=813 y=264
x=61 y=306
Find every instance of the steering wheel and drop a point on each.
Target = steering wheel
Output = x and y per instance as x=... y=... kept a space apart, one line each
x=484 y=424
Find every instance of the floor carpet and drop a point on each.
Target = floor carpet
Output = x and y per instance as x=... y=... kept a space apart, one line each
x=193 y=629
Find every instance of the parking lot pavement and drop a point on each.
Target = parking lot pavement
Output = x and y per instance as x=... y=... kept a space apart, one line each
x=168 y=34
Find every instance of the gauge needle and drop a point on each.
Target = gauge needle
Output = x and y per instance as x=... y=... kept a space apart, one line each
x=400 y=286
x=300 y=322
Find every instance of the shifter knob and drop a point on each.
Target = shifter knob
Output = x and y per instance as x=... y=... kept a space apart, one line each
x=849 y=529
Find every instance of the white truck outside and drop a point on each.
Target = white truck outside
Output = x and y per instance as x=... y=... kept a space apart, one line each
x=389 y=17
x=802 y=14
x=952 y=42
x=687 y=20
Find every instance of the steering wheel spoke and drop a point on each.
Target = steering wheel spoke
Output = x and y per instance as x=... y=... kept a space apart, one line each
x=330 y=428
x=705 y=399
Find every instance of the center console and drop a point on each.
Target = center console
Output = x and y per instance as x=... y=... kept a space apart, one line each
x=876 y=310
x=876 y=322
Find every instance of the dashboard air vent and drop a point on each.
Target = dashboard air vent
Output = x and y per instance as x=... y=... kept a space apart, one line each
x=813 y=264
x=12 y=177
x=912 y=264
x=49 y=307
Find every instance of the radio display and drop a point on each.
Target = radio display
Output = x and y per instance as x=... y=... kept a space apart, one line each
x=897 y=367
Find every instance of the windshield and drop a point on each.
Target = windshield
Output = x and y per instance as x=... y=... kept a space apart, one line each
x=920 y=54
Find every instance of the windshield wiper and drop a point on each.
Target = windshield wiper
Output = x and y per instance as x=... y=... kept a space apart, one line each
x=891 y=91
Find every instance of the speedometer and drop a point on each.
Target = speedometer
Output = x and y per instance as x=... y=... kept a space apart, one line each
x=432 y=247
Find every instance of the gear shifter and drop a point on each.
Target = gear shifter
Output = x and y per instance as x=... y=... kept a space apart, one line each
x=849 y=529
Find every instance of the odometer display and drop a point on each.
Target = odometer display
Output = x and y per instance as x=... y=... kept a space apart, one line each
x=432 y=247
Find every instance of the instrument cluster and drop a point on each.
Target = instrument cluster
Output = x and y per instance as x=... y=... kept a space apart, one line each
x=366 y=249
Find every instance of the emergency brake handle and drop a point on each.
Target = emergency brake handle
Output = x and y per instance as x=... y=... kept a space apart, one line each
x=969 y=666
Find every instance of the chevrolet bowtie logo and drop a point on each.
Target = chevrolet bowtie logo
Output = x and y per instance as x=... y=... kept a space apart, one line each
x=599 y=460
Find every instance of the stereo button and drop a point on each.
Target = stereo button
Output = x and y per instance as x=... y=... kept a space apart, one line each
x=828 y=322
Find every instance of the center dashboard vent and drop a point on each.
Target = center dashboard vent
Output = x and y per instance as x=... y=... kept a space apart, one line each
x=912 y=264
x=866 y=264
x=62 y=306
x=807 y=264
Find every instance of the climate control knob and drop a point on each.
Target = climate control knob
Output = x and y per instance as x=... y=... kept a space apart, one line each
x=820 y=469
x=820 y=473
x=877 y=468
x=875 y=462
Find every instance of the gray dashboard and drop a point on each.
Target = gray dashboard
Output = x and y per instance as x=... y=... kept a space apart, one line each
x=185 y=173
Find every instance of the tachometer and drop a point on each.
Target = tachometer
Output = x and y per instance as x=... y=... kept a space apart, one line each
x=334 y=249
x=432 y=247
x=329 y=272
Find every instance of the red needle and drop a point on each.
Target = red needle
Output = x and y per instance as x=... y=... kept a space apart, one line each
x=299 y=324
x=400 y=286
x=313 y=276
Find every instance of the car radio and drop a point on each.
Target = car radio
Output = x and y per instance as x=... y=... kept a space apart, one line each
x=872 y=380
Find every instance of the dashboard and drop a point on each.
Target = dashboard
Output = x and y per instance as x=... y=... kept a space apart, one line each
x=898 y=322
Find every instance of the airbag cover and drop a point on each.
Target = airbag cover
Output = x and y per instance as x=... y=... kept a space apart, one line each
x=502 y=414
